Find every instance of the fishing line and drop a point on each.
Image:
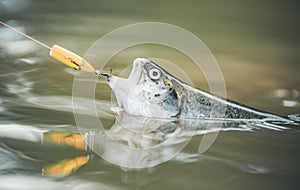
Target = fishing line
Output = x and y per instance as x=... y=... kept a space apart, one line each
x=23 y=34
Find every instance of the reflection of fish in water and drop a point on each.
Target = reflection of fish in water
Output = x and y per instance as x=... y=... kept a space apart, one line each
x=136 y=142
x=132 y=142
x=151 y=91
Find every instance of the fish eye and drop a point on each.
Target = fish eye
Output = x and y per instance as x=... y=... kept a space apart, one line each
x=154 y=74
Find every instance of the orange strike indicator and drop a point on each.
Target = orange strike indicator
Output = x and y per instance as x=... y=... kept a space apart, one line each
x=70 y=59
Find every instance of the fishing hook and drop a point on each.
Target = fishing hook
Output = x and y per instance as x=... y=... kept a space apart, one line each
x=99 y=73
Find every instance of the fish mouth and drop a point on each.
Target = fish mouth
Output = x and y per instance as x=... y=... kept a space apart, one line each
x=122 y=86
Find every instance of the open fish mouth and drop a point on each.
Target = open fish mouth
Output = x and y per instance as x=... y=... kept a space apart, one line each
x=123 y=86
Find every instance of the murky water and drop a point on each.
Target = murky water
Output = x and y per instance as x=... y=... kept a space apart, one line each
x=256 y=45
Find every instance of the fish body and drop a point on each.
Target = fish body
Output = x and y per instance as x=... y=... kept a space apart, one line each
x=152 y=92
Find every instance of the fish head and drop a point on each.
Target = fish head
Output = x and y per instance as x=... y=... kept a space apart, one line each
x=148 y=91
